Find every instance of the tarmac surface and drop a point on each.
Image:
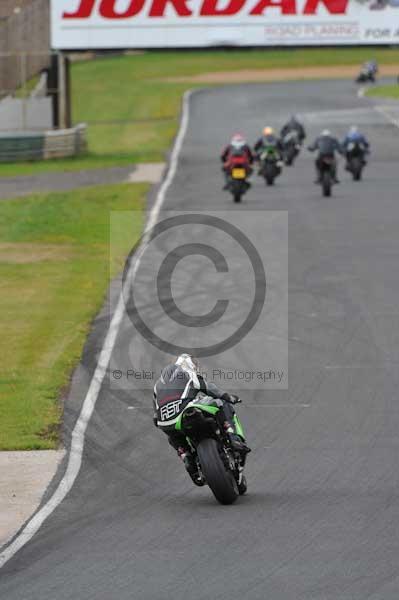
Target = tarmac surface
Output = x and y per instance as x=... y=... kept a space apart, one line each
x=321 y=518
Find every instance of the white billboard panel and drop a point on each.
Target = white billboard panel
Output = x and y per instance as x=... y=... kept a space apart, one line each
x=85 y=24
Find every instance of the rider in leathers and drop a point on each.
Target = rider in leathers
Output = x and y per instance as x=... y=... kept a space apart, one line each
x=293 y=124
x=181 y=382
x=326 y=145
x=237 y=147
x=268 y=140
x=354 y=136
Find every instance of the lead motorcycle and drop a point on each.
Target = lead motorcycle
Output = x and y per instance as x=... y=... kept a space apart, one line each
x=368 y=73
x=219 y=466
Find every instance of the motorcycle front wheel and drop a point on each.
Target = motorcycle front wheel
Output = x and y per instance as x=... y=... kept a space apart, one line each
x=220 y=480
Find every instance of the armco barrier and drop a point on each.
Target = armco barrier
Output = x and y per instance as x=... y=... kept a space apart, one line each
x=43 y=146
x=65 y=142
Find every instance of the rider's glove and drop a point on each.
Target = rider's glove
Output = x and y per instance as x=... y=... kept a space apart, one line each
x=232 y=399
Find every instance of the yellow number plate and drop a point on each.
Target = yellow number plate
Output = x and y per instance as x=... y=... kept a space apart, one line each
x=238 y=173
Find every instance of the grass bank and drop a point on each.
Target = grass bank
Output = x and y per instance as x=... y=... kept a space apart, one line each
x=54 y=271
x=385 y=91
x=26 y=90
x=132 y=107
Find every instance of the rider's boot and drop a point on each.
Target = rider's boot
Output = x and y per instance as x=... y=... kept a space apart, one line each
x=237 y=443
x=190 y=465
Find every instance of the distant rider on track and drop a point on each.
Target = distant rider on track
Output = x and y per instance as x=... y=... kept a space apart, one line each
x=236 y=148
x=182 y=381
x=354 y=136
x=294 y=124
x=326 y=145
x=268 y=140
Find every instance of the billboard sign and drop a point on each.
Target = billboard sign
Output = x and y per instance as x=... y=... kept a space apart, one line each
x=96 y=24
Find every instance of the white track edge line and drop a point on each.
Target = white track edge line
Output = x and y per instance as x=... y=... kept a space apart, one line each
x=78 y=433
x=382 y=110
x=361 y=92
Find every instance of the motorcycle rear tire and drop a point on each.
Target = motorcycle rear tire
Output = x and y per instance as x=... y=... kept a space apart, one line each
x=356 y=169
x=221 y=481
x=290 y=157
x=326 y=184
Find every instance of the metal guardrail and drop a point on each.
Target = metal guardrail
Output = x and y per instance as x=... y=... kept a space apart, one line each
x=61 y=143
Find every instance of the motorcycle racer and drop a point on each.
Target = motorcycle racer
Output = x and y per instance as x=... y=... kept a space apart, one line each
x=354 y=136
x=237 y=147
x=326 y=145
x=268 y=140
x=179 y=384
x=294 y=124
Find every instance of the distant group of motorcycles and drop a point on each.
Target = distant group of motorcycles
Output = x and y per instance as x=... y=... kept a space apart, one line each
x=271 y=153
x=197 y=416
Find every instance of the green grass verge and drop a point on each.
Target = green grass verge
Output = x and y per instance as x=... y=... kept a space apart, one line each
x=25 y=90
x=132 y=111
x=55 y=268
x=384 y=91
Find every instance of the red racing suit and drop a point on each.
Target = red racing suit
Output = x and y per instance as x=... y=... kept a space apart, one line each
x=232 y=156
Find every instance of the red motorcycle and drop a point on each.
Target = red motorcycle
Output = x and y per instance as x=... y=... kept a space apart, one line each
x=238 y=172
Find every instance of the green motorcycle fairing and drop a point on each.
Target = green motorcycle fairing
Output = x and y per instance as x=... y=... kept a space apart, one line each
x=209 y=408
x=212 y=409
x=238 y=426
x=269 y=152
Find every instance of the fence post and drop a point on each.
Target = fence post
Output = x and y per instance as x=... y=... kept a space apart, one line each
x=23 y=85
x=62 y=91
x=52 y=88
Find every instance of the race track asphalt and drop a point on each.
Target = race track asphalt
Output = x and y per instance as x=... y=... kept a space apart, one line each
x=321 y=519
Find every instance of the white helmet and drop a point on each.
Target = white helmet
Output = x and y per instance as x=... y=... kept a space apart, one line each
x=237 y=141
x=353 y=130
x=237 y=144
x=190 y=365
x=326 y=132
x=187 y=363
